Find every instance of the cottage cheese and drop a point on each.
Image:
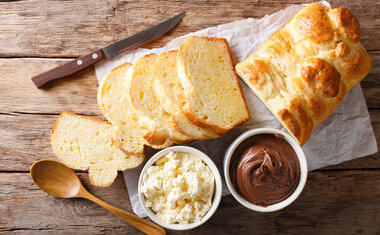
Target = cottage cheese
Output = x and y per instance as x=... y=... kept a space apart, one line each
x=179 y=188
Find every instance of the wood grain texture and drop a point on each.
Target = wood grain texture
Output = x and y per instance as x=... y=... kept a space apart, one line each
x=336 y=199
x=77 y=93
x=333 y=202
x=25 y=138
x=27 y=114
x=74 y=28
x=55 y=215
x=60 y=181
x=371 y=83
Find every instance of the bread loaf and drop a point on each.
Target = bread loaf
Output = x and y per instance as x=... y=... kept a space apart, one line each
x=303 y=71
x=169 y=93
x=84 y=143
x=153 y=120
x=212 y=93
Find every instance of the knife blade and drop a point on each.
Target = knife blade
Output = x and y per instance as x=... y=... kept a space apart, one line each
x=108 y=52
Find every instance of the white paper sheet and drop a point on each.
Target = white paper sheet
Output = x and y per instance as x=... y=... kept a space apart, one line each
x=345 y=135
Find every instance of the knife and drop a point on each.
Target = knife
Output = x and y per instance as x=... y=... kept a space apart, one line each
x=107 y=52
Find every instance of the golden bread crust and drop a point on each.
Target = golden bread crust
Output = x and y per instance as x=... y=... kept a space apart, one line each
x=347 y=22
x=313 y=23
x=304 y=70
x=321 y=75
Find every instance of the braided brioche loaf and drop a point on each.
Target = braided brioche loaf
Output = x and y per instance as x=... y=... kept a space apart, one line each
x=304 y=70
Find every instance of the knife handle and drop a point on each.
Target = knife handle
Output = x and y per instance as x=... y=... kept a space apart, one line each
x=68 y=68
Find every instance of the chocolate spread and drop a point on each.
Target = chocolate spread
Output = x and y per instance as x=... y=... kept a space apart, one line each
x=265 y=169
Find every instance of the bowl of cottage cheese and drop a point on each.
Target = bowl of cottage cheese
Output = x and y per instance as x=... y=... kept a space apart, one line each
x=180 y=188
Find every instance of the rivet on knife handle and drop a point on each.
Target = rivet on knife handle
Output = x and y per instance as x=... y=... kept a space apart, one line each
x=68 y=68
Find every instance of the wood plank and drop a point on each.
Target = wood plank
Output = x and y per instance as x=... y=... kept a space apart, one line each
x=27 y=209
x=25 y=138
x=78 y=93
x=73 y=28
x=339 y=202
x=27 y=114
x=371 y=83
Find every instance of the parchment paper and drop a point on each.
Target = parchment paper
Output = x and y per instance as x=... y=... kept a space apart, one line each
x=345 y=135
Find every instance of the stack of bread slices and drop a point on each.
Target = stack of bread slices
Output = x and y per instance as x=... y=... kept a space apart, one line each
x=160 y=100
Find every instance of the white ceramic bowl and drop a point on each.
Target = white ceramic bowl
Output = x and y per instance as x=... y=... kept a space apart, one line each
x=217 y=192
x=301 y=157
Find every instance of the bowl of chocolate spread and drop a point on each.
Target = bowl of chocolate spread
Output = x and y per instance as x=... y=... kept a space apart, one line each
x=265 y=169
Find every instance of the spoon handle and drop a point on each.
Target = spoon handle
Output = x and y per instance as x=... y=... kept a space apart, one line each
x=137 y=222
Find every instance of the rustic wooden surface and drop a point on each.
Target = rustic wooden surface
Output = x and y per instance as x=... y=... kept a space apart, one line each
x=38 y=35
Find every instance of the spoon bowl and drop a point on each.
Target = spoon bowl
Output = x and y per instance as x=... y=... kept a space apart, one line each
x=55 y=178
x=59 y=180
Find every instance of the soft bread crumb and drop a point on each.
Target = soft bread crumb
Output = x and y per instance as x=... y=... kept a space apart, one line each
x=169 y=93
x=213 y=96
x=113 y=103
x=153 y=119
x=84 y=143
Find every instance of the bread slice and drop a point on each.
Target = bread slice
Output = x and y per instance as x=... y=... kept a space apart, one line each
x=167 y=87
x=84 y=143
x=153 y=120
x=213 y=96
x=185 y=126
x=169 y=93
x=114 y=104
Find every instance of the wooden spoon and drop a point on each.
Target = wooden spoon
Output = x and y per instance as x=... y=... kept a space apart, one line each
x=58 y=180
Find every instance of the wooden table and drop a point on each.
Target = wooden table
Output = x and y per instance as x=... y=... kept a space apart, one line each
x=39 y=35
